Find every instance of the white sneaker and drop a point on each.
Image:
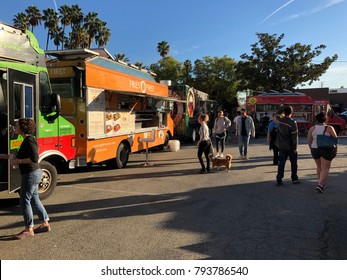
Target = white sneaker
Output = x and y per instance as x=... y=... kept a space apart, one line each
x=221 y=155
x=218 y=155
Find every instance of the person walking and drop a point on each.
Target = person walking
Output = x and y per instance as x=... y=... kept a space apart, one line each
x=287 y=143
x=204 y=143
x=244 y=130
x=221 y=124
x=27 y=160
x=322 y=157
x=271 y=139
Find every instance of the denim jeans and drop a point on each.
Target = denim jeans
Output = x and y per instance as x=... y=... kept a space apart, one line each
x=29 y=198
x=243 y=145
x=282 y=157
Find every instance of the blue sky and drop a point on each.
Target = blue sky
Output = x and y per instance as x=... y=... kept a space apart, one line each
x=198 y=28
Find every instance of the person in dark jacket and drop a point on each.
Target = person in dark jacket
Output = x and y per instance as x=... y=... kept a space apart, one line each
x=287 y=143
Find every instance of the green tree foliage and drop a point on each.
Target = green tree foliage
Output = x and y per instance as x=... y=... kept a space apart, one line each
x=83 y=30
x=272 y=66
x=167 y=68
x=217 y=77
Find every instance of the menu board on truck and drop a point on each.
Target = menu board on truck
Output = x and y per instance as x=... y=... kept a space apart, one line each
x=95 y=101
x=119 y=123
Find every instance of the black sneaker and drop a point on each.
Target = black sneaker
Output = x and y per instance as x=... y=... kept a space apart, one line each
x=295 y=182
x=278 y=184
x=320 y=188
x=202 y=171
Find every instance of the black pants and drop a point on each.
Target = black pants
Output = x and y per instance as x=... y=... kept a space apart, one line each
x=204 y=148
x=275 y=154
x=220 y=138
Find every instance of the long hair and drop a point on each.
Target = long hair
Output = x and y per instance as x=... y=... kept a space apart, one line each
x=26 y=125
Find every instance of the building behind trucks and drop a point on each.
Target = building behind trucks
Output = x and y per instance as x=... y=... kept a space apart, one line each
x=191 y=102
x=111 y=105
x=25 y=92
x=305 y=108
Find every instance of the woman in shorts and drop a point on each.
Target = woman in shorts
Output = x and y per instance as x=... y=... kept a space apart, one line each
x=322 y=157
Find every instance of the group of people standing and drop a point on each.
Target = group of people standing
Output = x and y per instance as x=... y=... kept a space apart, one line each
x=282 y=137
x=244 y=129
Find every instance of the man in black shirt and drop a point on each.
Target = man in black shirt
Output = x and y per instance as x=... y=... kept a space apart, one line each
x=287 y=143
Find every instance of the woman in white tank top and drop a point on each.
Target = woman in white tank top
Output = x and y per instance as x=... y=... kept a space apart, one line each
x=321 y=157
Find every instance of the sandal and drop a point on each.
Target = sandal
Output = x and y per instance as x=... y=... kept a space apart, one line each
x=24 y=234
x=41 y=229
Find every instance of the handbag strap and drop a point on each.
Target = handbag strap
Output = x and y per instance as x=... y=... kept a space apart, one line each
x=325 y=129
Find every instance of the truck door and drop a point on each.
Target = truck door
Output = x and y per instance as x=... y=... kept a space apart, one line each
x=21 y=88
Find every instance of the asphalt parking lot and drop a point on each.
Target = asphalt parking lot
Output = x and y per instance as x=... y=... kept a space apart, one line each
x=169 y=211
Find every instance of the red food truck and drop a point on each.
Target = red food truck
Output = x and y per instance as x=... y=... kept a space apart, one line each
x=305 y=108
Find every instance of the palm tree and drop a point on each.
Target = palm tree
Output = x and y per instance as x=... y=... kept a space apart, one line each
x=21 y=21
x=103 y=35
x=76 y=16
x=51 y=19
x=121 y=57
x=58 y=36
x=139 y=65
x=92 y=24
x=34 y=16
x=65 y=19
x=163 y=48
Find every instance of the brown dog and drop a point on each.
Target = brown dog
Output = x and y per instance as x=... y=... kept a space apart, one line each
x=217 y=162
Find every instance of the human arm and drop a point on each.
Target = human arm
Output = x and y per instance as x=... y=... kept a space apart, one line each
x=309 y=137
x=252 y=128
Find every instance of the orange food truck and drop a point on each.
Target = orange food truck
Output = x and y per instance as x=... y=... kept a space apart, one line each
x=305 y=108
x=113 y=106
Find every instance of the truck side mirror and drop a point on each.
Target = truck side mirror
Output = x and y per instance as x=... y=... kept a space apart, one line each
x=57 y=105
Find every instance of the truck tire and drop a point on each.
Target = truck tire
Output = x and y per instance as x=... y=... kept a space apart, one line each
x=49 y=179
x=121 y=159
x=165 y=146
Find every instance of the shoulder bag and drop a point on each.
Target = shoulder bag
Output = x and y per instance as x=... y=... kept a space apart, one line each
x=326 y=142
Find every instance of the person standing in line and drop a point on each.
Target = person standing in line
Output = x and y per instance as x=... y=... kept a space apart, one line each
x=204 y=143
x=271 y=139
x=221 y=124
x=238 y=115
x=244 y=130
x=322 y=157
x=287 y=143
x=27 y=160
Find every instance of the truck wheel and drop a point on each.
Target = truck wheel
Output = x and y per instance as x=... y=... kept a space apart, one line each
x=121 y=159
x=166 y=142
x=49 y=179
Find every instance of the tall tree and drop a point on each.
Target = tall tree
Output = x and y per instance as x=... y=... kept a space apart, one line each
x=163 y=48
x=21 y=21
x=187 y=72
x=103 y=35
x=272 y=66
x=65 y=19
x=167 y=68
x=34 y=16
x=92 y=24
x=51 y=21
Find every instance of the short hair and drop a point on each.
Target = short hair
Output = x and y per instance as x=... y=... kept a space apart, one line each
x=26 y=125
x=243 y=110
x=287 y=110
x=321 y=117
